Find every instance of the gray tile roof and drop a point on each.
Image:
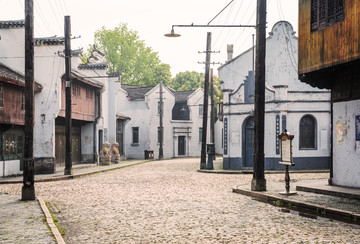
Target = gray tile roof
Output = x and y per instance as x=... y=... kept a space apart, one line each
x=136 y=92
x=53 y=40
x=181 y=96
x=11 y=76
x=7 y=24
x=93 y=66
x=80 y=77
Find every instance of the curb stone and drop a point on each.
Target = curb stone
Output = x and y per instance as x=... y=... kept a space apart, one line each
x=315 y=209
x=50 y=222
x=70 y=177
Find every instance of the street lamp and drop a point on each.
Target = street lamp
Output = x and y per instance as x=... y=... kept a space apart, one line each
x=173 y=34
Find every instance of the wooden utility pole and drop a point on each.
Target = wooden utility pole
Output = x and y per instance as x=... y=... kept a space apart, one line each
x=259 y=182
x=161 y=153
x=28 y=189
x=205 y=106
x=67 y=77
x=253 y=52
x=212 y=115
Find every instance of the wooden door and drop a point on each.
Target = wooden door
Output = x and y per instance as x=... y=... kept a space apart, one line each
x=249 y=142
x=181 y=145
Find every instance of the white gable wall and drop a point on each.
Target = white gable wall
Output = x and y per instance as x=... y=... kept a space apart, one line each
x=346 y=149
x=287 y=99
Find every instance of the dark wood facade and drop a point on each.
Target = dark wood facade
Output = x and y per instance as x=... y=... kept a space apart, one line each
x=85 y=99
x=12 y=113
x=12 y=109
x=329 y=46
x=333 y=44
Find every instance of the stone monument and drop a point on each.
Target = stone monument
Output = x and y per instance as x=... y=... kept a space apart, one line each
x=115 y=155
x=105 y=155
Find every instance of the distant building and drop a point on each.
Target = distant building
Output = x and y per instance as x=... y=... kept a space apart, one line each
x=290 y=104
x=329 y=57
x=138 y=121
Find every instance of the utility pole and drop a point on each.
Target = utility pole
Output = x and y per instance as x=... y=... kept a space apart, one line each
x=68 y=156
x=28 y=189
x=258 y=182
x=205 y=106
x=212 y=116
x=161 y=153
x=253 y=52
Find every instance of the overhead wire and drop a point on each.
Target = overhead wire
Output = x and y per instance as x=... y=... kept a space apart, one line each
x=226 y=21
x=227 y=37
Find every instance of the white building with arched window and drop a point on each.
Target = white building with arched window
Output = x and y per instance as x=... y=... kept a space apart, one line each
x=302 y=110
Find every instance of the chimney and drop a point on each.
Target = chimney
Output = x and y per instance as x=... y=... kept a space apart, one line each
x=230 y=51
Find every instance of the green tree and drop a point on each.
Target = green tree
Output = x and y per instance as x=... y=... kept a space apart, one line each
x=126 y=53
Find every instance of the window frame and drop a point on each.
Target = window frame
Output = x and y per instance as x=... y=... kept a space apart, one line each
x=135 y=135
x=302 y=144
x=321 y=17
x=201 y=109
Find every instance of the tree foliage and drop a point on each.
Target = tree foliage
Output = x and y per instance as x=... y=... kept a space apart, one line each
x=126 y=53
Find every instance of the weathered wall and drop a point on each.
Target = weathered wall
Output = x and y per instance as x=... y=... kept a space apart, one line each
x=11 y=112
x=49 y=66
x=346 y=149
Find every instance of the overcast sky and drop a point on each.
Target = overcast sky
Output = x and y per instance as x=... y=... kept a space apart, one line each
x=152 y=19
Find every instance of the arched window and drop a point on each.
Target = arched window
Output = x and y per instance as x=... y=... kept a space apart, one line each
x=307 y=132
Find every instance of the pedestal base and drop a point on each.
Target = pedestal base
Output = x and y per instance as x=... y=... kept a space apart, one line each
x=258 y=185
x=28 y=193
x=288 y=193
x=68 y=171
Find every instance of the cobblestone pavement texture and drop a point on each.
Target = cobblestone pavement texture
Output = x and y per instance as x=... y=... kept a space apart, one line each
x=170 y=202
x=22 y=221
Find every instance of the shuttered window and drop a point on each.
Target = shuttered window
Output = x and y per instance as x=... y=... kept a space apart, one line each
x=326 y=12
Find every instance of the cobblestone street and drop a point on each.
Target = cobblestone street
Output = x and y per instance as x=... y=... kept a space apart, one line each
x=170 y=202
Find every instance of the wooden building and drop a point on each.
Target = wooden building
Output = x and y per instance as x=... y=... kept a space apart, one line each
x=329 y=57
x=85 y=110
x=12 y=119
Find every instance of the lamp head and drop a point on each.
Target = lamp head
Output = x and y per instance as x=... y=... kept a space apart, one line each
x=172 y=33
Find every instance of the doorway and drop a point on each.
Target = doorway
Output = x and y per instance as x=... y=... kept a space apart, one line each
x=248 y=142
x=60 y=144
x=181 y=146
x=120 y=135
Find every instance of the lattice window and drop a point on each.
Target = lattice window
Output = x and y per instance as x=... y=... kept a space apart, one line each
x=326 y=12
